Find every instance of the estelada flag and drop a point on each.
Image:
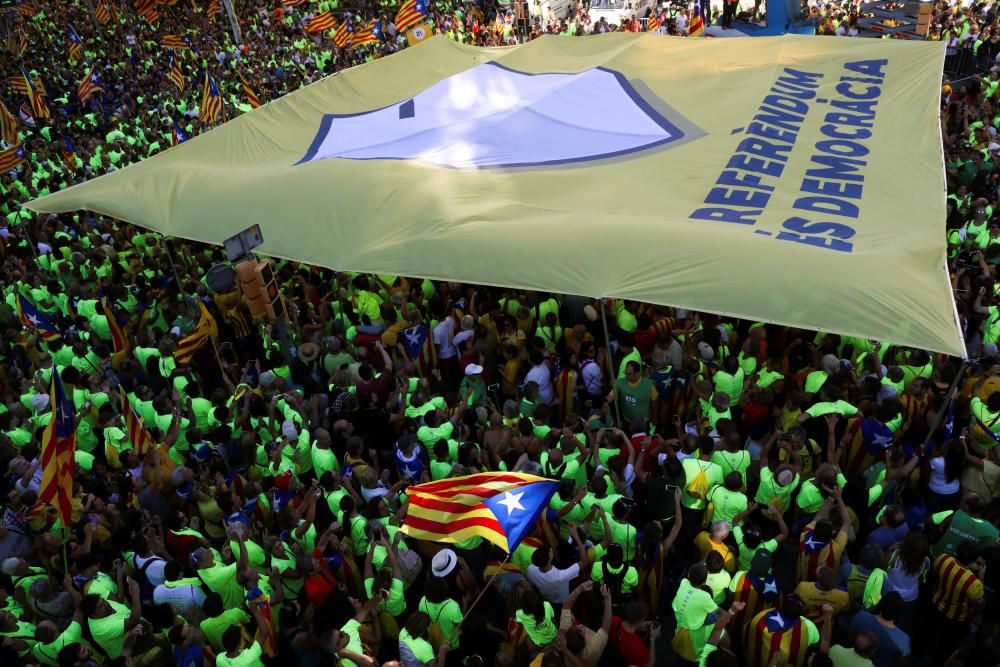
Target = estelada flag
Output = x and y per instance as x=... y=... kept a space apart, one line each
x=176 y=42
x=190 y=344
x=135 y=427
x=342 y=35
x=411 y=13
x=12 y=157
x=58 y=449
x=370 y=34
x=499 y=507
x=8 y=125
x=697 y=26
x=772 y=636
x=30 y=316
x=118 y=337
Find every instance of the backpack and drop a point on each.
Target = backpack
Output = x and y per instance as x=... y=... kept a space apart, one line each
x=697 y=486
x=145 y=586
x=435 y=635
x=614 y=580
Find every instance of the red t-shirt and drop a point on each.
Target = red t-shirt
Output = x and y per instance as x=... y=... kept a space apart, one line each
x=630 y=645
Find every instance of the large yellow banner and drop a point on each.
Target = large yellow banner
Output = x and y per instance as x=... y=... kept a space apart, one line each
x=791 y=179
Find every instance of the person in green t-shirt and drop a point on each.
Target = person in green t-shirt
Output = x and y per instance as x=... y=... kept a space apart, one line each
x=413 y=643
x=220 y=578
x=232 y=639
x=727 y=499
x=635 y=393
x=110 y=622
x=537 y=617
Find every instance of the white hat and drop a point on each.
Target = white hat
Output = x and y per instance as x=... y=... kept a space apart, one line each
x=993 y=147
x=443 y=563
x=39 y=402
x=590 y=312
x=706 y=351
x=473 y=369
x=288 y=430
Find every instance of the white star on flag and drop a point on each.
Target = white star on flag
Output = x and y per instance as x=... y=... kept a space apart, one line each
x=777 y=619
x=512 y=501
x=812 y=544
x=770 y=587
x=33 y=319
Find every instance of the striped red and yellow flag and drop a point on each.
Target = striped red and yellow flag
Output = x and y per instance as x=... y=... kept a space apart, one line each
x=654 y=22
x=252 y=98
x=499 y=507
x=211 y=108
x=174 y=73
x=89 y=86
x=8 y=125
x=320 y=22
x=342 y=35
x=18 y=85
x=58 y=450
x=776 y=640
x=147 y=10
x=36 y=96
x=411 y=13
x=12 y=158
x=214 y=9
x=191 y=343
x=176 y=42
x=697 y=26
x=370 y=34
x=138 y=434
x=102 y=12
x=118 y=337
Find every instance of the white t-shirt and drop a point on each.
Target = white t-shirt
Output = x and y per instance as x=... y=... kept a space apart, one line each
x=590 y=372
x=443 y=333
x=181 y=598
x=541 y=375
x=155 y=572
x=461 y=337
x=939 y=483
x=553 y=585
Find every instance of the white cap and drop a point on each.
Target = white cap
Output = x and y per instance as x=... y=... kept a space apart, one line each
x=473 y=369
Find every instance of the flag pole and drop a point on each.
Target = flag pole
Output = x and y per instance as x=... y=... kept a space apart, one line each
x=607 y=358
x=496 y=574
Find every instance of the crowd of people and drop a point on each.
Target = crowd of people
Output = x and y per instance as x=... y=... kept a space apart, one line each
x=730 y=492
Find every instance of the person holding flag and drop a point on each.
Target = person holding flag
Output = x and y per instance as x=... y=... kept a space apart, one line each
x=783 y=636
x=57 y=453
x=203 y=330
